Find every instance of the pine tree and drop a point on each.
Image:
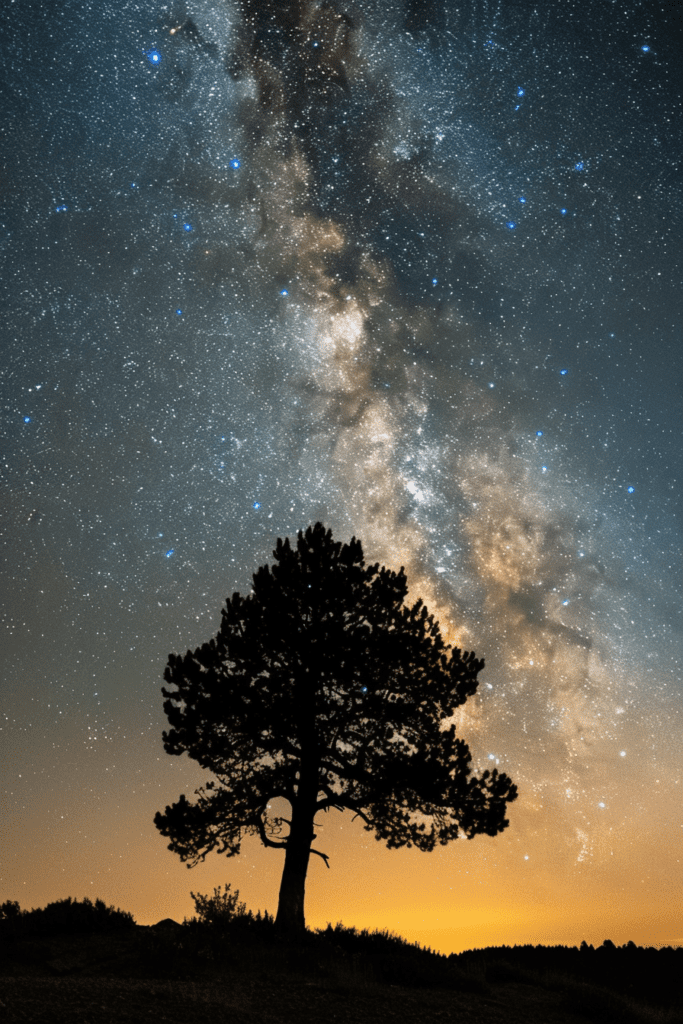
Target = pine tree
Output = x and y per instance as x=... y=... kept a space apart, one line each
x=325 y=688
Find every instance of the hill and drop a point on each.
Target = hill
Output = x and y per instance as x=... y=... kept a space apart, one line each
x=241 y=971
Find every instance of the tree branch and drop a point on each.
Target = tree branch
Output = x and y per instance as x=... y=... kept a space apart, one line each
x=264 y=838
x=331 y=801
x=323 y=855
x=360 y=814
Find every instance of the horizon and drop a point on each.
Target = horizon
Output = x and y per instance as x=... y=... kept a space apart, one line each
x=390 y=934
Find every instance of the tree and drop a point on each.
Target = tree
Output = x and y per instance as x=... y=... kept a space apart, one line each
x=324 y=688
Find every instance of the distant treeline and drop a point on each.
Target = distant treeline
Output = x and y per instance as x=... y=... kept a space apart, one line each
x=642 y=972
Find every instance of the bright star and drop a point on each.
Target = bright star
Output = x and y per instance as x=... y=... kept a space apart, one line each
x=630 y=490
x=645 y=49
x=578 y=166
x=522 y=199
x=563 y=373
x=235 y=163
x=257 y=504
x=434 y=281
x=27 y=419
x=187 y=227
x=170 y=552
x=539 y=433
x=511 y=224
x=284 y=292
x=154 y=57
x=563 y=212
x=520 y=92
x=179 y=312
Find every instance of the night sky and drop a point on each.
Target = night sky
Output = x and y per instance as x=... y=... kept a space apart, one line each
x=413 y=270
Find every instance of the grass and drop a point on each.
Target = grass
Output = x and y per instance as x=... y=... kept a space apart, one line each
x=244 y=972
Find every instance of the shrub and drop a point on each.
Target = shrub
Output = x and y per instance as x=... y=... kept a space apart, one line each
x=12 y=920
x=63 y=917
x=219 y=910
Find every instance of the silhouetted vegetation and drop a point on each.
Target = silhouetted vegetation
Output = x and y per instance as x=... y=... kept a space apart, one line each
x=323 y=688
x=64 y=917
x=226 y=953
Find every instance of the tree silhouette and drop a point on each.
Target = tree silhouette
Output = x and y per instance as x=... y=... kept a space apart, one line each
x=324 y=688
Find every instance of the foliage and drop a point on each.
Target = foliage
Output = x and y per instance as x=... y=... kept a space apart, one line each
x=10 y=911
x=63 y=917
x=220 y=909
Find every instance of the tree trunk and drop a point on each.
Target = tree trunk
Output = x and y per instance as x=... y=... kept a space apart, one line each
x=290 y=910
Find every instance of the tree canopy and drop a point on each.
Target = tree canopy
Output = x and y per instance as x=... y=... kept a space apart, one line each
x=323 y=687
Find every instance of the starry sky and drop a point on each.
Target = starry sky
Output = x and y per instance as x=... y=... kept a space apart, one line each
x=412 y=269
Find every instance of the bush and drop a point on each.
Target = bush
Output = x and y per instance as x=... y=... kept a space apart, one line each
x=12 y=920
x=62 y=917
x=219 y=910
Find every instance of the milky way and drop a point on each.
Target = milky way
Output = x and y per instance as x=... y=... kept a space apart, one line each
x=409 y=269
